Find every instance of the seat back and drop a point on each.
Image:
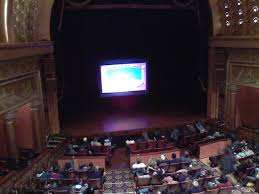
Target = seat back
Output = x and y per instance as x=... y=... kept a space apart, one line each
x=172 y=187
x=160 y=188
x=161 y=143
x=173 y=168
x=143 y=181
x=95 y=183
x=151 y=144
x=156 y=180
x=203 y=192
x=133 y=147
x=164 y=166
x=225 y=190
x=58 y=192
x=186 y=184
x=212 y=191
x=142 y=145
x=67 y=181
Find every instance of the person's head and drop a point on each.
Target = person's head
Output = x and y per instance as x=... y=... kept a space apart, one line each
x=91 y=164
x=195 y=183
x=68 y=165
x=173 y=156
x=186 y=154
x=162 y=157
x=85 y=139
x=223 y=179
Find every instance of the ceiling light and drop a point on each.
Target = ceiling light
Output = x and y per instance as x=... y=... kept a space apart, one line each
x=227 y=23
x=240 y=12
x=226 y=5
x=239 y=2
x=255 y=8
x=227 y=14
x=240 y=21
x=255 y=20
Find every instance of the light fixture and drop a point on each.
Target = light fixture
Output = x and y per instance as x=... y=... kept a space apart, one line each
x=227 y=14
x=239 y=2
x=240 y=12
x=226 y=5
x=227 y=23
x=255 y=20
x=240 y=21
x=255 y=8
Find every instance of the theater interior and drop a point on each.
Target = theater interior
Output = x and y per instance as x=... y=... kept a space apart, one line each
x=129 y=97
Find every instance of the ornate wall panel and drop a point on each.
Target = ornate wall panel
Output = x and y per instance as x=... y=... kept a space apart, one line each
x=18 y=92
x=19 y=67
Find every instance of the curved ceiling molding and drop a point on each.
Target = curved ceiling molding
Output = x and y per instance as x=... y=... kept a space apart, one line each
x=183 y=3
x=78 y=4
x=216 y=16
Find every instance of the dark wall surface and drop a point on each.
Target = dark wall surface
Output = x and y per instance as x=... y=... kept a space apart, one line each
x=172 y=42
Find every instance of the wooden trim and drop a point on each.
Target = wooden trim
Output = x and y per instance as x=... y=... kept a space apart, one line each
x=128 y=6
x=9 y=51
x=234 y=42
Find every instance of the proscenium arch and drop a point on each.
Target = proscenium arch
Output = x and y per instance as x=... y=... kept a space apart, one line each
x=11 y=16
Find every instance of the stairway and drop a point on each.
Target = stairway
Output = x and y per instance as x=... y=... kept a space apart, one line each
x=119 y=181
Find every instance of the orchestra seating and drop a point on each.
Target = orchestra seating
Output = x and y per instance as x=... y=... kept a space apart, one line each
x=97 y=160
x=145 y=156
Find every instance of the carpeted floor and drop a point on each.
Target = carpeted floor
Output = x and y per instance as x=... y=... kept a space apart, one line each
x=119 y=181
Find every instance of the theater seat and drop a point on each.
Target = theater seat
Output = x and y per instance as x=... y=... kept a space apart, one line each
x=173 y=168
x=203 y=192
x=143 y=181
x=172 y=187
x=142 y=146
x=59 y=192
x=95 y=183
x=225 y=190
x=186 y=184
x=160 y=188
x=212 y=191
x=164 y=166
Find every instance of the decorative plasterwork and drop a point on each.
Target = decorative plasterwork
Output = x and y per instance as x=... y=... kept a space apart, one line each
x=18 y=92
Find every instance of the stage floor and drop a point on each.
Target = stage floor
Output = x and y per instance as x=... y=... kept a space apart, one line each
x=126 y=123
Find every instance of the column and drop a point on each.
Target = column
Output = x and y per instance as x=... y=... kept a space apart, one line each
x=212 y=88
x=50 y=86
x=37 y=125
x=9 y=127
x=230 y=104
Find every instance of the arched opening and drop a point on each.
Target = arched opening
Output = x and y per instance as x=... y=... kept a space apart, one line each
x=173 y=41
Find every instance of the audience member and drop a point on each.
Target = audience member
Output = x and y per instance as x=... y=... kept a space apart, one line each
x=139 y=168
x=228 y=162
x=95 y=142
x=174 y=160
x=223 y=182
x=196 y=188
x=185 y=158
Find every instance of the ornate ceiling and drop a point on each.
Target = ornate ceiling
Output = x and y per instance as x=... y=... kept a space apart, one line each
x=29 y=20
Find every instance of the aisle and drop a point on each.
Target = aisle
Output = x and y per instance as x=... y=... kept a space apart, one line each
x=119 y=181
x=120 y=158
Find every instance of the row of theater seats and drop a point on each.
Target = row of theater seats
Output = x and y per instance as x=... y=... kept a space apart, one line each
x=148 y=146
x=158 y=186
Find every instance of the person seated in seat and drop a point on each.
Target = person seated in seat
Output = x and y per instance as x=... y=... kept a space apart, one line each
x=211 y=185
x=223 y=182
x=185 y=158
x=182 y=175
x=169 y=180
x=253 y=175
x=139 y=168
x=95 y=142
x=174 y=160
x=228 y=162
x=163 y=160
x=196 y=188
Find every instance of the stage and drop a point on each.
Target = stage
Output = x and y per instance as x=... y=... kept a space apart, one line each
x=127 y=123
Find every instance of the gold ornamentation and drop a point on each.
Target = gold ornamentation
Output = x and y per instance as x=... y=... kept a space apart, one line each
x=18 y=92
x=26 y=17
x=16 y=68
x=246 y=76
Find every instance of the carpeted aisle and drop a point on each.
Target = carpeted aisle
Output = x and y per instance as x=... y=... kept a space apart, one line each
x=119 y=181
